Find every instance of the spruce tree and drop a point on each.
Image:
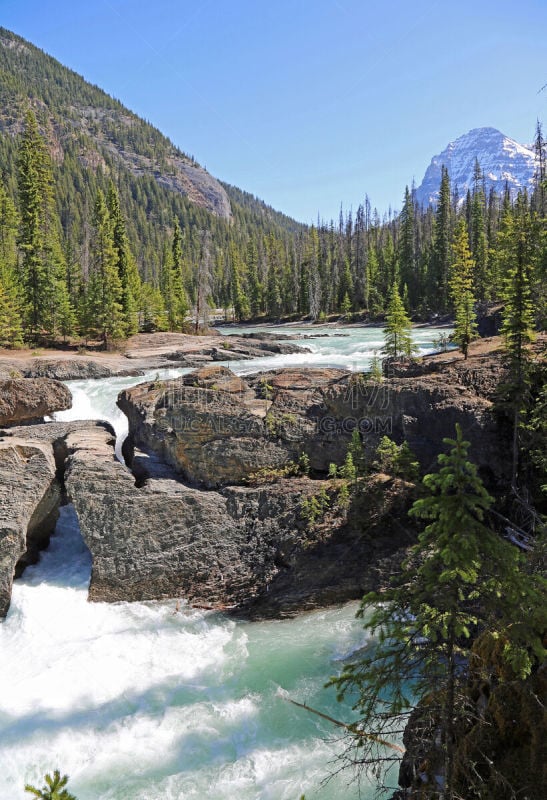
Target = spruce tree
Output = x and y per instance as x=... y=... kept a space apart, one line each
x=240 y=302
x=421 y=627
x=54 y=788
x=407 y=248
x=125 y=263
x=11 y=327
x=398 y=330
x=105 y=312
x=518 y=316
x=255 y=287
x=479 y=243
x=461 y=283
x=42 y=267
x=441 y=256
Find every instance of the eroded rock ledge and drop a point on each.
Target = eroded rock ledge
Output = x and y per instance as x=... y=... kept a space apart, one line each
x=217 y=429
x=27 y=400
x=198 y=517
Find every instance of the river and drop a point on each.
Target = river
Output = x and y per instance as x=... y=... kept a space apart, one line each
x=157 y=701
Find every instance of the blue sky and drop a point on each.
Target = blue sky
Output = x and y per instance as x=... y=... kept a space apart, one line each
x=308 y=104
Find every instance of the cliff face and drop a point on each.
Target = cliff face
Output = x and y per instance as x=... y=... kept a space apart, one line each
x=106 y=134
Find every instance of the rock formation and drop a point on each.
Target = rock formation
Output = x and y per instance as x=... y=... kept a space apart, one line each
x=29 y=499
x=217 y=429
x=25 y=400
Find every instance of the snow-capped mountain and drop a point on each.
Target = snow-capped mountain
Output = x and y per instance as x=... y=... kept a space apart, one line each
x=501 y=160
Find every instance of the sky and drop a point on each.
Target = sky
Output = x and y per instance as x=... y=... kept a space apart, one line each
x=308 y=104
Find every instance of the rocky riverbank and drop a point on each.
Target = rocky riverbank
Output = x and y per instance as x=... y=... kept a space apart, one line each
x=213 y=506
x=141 y=353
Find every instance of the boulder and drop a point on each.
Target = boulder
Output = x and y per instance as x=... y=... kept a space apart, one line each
x=29 y=399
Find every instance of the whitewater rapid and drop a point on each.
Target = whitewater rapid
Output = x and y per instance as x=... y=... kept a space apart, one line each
x=157 y=701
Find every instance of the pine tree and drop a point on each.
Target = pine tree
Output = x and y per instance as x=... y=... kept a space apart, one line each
x=54 y=788
x=407 y=248
x=240 y=301
x=125 y=263
x=171 y=281
x=461 y=283
x=398 y=329
x=479 y=243
x=104 y=291
x=11 y=327
x=203 y=281
x=153 y=315
x=42 y=268
x=518 y=316
x=422 y=625
x=255 y=287
x=441 y=256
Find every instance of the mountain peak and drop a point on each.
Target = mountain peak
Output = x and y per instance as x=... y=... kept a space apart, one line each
x=502 y=160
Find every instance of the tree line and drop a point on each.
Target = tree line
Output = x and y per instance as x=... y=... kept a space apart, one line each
x=65 y=275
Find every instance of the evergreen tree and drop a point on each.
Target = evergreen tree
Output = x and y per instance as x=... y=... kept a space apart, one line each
x=240 y=302
x=154 y=316
x=171 y=281
x=42 y=269
x=518 y=316
x=441 y=256
x=11 y=327
x=126 y=266
x=203 y=281
x=422 y=625
x=54 y=788
x=255 y=287
x=104 y=291
x=398 y=330
x=461 y=283
x=479 y=244
x=407 y=248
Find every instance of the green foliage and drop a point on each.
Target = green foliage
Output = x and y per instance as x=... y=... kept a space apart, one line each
x=54 y=788
x=257 y=262
x=272 y=474
x=348 y=470
x=394 y=459
x=518 y=246
x=343 y=498
x=461 y=283
x=357 y=452
x=313 y=508
x=104 y=293
x=333 y=470
x=376 y=367
x=11 y=326
x=397 y=333
x=304 y=464
x=422 y=625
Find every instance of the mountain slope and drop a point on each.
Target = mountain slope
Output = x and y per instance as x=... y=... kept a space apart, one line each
x=502 y=161
x=101 y=125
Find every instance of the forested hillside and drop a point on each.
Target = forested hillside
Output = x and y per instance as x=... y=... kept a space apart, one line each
x=107 y=228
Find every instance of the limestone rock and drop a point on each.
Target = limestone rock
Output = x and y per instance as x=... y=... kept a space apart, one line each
x=166 y=539
x=217 y=429
x=26 y=399
x=29 y=500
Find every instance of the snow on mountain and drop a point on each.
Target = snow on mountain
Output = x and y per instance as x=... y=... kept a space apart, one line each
x=501 y=160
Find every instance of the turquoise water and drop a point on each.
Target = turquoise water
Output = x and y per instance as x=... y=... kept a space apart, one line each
x=154 y=701
x=150 y=701
x=348 y=347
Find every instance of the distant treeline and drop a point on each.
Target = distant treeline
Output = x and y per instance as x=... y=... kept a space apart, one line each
x=79 y=259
